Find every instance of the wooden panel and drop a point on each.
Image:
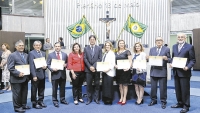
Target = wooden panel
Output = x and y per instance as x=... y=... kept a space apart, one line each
x=196 y=43
x=11 y=37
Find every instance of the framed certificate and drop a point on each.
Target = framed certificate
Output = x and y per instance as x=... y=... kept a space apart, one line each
x=123 y=64
x=57 y=64
x=141 y=64
x=23 y=69
x=179 y=62
x=156 y=60
x=102 y=66
x=39 y=62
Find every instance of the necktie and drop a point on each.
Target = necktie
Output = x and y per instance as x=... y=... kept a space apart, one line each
x=39 y=53
x=179 y=47
x=92 y=50
x=104 y=57
x=58 y=55
x=158 y=51
x=22 y=55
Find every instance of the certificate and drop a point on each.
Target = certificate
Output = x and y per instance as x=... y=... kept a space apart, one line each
x=57 y=64
x=25 y=69
x=141 y=64
x=179 y=62
x=39 y=62
x=102 y=66
x=156 y=60
x=123 y=64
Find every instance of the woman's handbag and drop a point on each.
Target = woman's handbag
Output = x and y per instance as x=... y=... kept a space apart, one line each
x=139 y=78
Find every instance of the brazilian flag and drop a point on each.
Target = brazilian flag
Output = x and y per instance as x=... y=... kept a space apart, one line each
x=134 y=27
x=79 y=28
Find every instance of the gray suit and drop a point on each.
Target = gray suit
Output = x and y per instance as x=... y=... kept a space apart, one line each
x=91 y=60
x=159 y=74
x=57 y=78
x=19 y=84
x=39 y=85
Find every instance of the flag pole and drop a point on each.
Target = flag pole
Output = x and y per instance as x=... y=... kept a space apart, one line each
x=122 y=29
x=92 y=30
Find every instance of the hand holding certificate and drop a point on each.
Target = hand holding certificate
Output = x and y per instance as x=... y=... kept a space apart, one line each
x=102 y=66
x=39 y=62
x=141 y=64
x=25 y=69
x=123 y=64
x=57 y=64
x=156 y=60
x=179 y=62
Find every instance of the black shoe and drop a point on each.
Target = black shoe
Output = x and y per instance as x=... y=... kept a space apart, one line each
x=42 y=104
x=177 y=106
x=152 y=103
x=56 y=105
x=20 y=110
x=81 y=101
x=163 y=105
x=184 y=110
x=108 y=103
x=26 y=107
x=37 y=106
x=88 y=102
x=140 y=102
x=97 y=101
x=64 y=102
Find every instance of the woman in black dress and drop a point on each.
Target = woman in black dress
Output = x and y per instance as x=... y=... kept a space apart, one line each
x=123 y=75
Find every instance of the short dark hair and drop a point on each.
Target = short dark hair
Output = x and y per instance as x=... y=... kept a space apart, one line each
x=57 y=43
x=61 y=38
x=92 y=36
x=47 y=39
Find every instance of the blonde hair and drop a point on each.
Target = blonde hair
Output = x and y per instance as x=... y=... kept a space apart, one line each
x=111 y=46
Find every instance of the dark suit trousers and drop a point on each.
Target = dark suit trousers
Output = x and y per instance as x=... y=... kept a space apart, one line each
x=77 y=85
x=182 y=87
x=163 y=88
x=2 y=84
x=89 y=79
x=37 y=86
x=19 y=94
x=61 y=83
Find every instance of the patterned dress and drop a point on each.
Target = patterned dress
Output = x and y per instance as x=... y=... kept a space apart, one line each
x=5 y=71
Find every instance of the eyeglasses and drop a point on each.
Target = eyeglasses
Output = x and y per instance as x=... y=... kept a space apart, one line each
x=181 y=37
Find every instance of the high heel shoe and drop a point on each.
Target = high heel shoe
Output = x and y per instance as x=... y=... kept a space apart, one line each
x=119 y=102
x=140 y=102
x=123 y=103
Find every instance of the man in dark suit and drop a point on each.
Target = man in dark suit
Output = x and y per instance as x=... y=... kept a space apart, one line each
x=1 y=74
x=92 y=55
x=182 y=75
x=19 y=81
x=58 y=77
x=38 y=76
x=159 y=73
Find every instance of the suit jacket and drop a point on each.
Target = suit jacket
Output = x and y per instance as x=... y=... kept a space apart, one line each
x=39 y=73
x=92 y=60
x=60 y=73
x=110 y=57
x=75 y=62
x=160 y=71
x=15 y=59
x=187 y=51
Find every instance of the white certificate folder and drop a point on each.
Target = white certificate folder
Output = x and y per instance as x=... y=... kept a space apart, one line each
x=102 y=66
x=39 y=62
x=141 y=64
x=155 y=60
x=23 y=69
x=123 y=64
x=179 y=62
x=57 y=64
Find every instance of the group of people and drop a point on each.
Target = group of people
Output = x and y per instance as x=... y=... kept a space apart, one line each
x=83 y=65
